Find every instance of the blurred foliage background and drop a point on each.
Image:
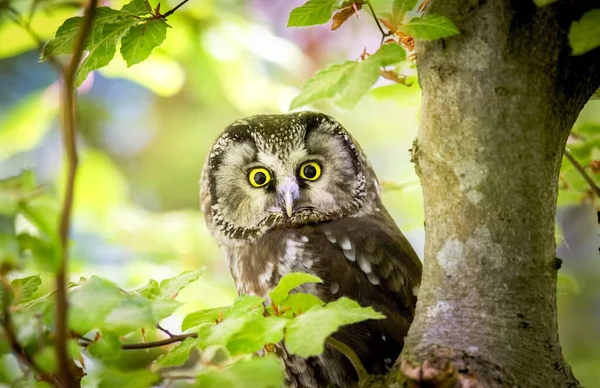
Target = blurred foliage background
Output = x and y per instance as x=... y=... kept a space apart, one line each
x=144 y=133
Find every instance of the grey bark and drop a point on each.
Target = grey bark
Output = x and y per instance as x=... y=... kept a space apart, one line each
x=498 y=103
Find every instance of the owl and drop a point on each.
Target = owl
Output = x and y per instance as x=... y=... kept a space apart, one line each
x=295 y=193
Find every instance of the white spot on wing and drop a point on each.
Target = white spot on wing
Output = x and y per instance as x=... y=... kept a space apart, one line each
x=373 y=278
x=364 y=264
x=350 y=254
x=304 y=239
x=345 y=243
x=266 y=276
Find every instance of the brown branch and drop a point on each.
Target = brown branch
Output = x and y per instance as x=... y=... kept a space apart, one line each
x=352 y=357
x=169 y=13
x=68 y=129
x=23 y=357
x=584 y=174
x=155 y=344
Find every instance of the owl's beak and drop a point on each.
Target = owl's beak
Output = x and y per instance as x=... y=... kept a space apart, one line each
x=287 y=193
x=289 y=203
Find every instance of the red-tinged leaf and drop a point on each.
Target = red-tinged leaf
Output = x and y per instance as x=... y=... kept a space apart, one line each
x=343 y=15
x=393 y=76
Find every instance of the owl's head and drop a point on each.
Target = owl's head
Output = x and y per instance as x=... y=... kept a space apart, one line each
x=272 y=171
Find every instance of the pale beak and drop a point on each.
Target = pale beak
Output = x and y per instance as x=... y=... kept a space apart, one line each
x=289 y=202
x=287 y=193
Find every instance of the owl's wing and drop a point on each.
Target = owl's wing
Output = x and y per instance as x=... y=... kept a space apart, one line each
x=369 y=260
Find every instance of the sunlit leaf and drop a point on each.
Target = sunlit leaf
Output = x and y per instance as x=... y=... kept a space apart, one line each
x=137 y=8
x=44 y=251
x=107 y=347
x=102 y=46
x=430 y=27
x=255 y=334
x=312 y=12
x=25 y=288
x=584 y=35
x=301 y=302
x=290 y=281
x=320 y=322
x=388 y=54
x=46 y=359
x=141 y=378
x=139 y=42
x=245 y=305
x=358 y=82
x=169 y=288
x=258 y=372
x=202 y=317
x=66 y=35
x=400 y=7
x=327 y=83
x=178 y=354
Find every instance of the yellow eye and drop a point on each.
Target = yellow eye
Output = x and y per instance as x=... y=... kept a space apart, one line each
x=310 y=171
x=259 y=177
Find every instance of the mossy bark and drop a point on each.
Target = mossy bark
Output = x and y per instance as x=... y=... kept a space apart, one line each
x=499 y=101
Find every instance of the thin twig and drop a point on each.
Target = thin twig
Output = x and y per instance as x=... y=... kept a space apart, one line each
x=169 y=13
x=68 y=129
x=167 y=332
x=349 y=353
x=383 y=33
x=21 y=354
x=584 y=174
x=155 y=344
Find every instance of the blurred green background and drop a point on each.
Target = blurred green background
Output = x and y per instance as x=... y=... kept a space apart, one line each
x=144 y=133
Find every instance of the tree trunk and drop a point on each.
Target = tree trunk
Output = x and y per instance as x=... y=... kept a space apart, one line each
x=499 y=101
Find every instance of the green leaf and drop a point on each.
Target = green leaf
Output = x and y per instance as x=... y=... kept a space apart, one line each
x=245 y=305
x=311 y=13
x=66 y=35
x=202 y=317
x=358 y=82
x=141 y=378
x=139 y=42
x=163 y=308
x=300 y=302
x=255 y=334
x=219 y=334
x=288 y=282
x=42 y=212
x=44 y=252
x=258 y=372
x=15 y=189
x=169 y=288
x=388 y=54
x=150 y=290
x=91 y=302
x=107 y=347
x=320 y=322
x=102 y=46
x=178 y=354
x=137 y=8
x=543 y=3
x=430 y=27
x=25 y=288
x=46 y=359
x=400 y=7
x=584 y=35
x=327 y=83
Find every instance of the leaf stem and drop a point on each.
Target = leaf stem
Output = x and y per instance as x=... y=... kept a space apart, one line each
x=584 y=174
x=349 y=353
x=68 y=130
x=169 y=13
x=155 y=344
x=383 y=33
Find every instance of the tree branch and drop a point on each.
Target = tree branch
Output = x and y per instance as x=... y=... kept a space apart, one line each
x=155 y=344
x=68 y=129
x=349 y=353
x=383 y=33
x=169 y=13
x=583 y=173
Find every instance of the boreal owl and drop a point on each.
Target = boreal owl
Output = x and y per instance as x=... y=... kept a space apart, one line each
x=295 y=193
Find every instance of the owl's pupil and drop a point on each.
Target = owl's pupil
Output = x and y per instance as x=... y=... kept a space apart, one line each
x=260 y=178
x=310 y=171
